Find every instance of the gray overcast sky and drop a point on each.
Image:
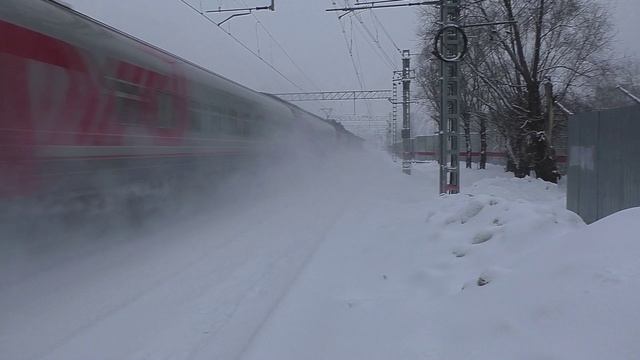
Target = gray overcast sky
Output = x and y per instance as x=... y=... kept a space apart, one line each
x=311 y=36
x=626 y=16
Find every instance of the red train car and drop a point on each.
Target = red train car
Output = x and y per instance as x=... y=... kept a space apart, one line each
x=83 y=104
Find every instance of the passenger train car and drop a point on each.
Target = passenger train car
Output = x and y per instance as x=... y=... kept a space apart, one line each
x=81 y=102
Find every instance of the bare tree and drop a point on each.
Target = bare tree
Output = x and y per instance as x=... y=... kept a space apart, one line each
x=605 y=91
x=562 y=41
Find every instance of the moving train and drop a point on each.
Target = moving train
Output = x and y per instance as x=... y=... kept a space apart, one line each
x=82 y=103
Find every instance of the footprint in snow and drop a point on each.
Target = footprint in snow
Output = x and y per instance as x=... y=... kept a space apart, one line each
x=459 y=253
x=472 y=209
x=482 y=237
x=482 y=281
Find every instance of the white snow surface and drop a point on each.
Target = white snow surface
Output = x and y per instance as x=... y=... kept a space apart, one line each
x=335 y=260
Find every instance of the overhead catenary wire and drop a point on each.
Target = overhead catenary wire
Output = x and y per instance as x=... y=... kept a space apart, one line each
x=367 y=105
x=384 y=30
x=385 y=57
x=375 y=47
x=357 y=54
x=350 y=47
x=350 y=51
x=243 y=45
x=359 y=65
x=358 y=2
x=282 y=48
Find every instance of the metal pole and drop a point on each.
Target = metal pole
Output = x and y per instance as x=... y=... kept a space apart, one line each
x=394 y=120
x=406 y=112
x=374 y=6
x=450 y=107
x=354 y=104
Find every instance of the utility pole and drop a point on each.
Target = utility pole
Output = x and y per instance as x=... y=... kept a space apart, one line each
x=394 y=120
x=390 y=134
x=451 y=43
x=406 y=112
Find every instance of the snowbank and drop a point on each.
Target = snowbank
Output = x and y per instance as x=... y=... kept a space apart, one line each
x=500 y=272
x=572 y=297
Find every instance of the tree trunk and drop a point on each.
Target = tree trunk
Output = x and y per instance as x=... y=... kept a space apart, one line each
x=467 y=138
x=544 y=159
x=483 y=143
x=533 y=151
x=521 y=159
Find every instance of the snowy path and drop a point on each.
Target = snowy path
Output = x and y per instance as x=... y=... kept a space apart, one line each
x=199 y=289
x=501 y=271
x=358 y=296
x=338 y=260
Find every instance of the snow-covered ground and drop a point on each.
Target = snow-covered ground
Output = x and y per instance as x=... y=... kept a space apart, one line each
x=335 y=260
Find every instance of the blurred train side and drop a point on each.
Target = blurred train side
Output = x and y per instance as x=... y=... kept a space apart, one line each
x=83 y=104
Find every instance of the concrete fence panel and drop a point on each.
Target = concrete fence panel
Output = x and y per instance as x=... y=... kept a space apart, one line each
x=604 y=162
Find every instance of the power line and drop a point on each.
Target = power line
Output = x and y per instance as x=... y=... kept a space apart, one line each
x=286 y=53
x=350 y=51
x=384 y=29
x=362 y=3
x=375 y=46
x=385 y=57
x=353 y=61
x=358 y=56
x=376 y=42
x=242 y=44
x=367 y=105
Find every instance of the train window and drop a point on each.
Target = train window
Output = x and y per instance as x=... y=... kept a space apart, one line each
x=227 y=125
x=221 y=124
x=129 y=111
x=243 y=127
x=166 y=111
x=129 y=102
x=195 y=119
x=257 y=125
x=217 y=123
x=194 y=116
x=233 y=123
x=215 y=119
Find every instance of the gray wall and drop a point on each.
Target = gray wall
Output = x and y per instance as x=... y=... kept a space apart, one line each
x=604 y=162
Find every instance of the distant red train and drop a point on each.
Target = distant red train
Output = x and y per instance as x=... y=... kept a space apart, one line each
x=81 y=102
